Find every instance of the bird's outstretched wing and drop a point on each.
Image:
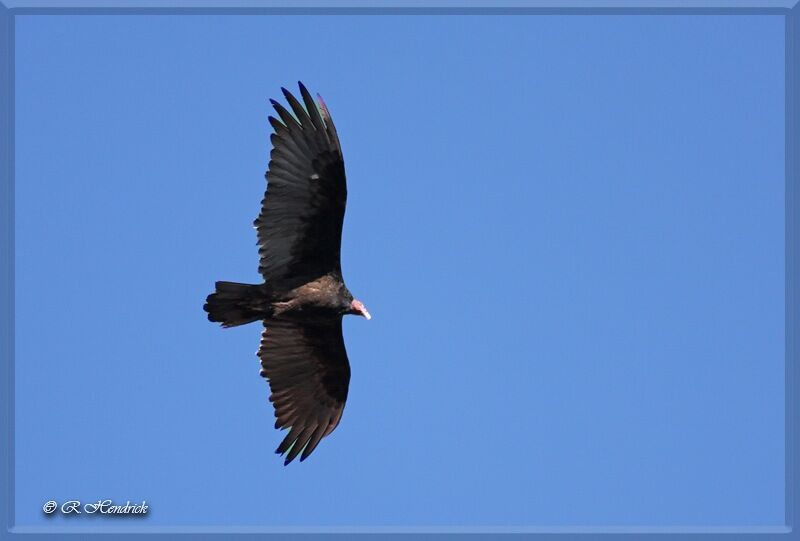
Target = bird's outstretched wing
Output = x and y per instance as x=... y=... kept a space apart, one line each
x=308 y=373
x=300 y=224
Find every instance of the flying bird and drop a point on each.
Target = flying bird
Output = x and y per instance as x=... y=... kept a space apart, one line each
x=303 y=298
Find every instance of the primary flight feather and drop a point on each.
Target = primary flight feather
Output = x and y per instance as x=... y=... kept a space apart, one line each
x=303 y=297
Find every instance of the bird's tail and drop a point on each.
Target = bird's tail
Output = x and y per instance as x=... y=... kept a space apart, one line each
x=235 y=304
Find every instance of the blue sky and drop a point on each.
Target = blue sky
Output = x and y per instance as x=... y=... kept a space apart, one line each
x=569 y=231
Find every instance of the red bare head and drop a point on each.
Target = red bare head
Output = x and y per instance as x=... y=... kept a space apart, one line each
x=357 y=307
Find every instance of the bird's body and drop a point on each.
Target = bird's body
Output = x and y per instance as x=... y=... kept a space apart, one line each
x=304 y=297
x=324 y=298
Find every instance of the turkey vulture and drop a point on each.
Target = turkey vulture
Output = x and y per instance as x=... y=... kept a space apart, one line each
x=303 y=297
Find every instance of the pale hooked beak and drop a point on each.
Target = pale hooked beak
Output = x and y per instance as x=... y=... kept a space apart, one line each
x=359 y=307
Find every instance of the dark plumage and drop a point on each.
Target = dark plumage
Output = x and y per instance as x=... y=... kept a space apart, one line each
x=303 y=298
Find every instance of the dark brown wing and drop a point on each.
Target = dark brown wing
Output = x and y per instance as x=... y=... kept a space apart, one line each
x=300 y=224
x=309 y=374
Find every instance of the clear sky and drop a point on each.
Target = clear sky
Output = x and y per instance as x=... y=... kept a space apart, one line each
x=569 y=231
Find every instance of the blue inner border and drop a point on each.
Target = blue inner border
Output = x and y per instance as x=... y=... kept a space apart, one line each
x=792 y=195
x=792 y=298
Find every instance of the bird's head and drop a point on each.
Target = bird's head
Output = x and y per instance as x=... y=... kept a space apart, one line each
x=357 y=307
